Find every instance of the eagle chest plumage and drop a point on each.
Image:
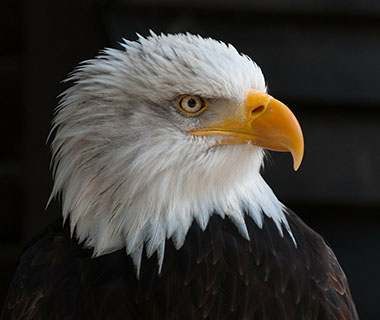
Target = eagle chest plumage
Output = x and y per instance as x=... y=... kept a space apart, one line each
x=157 y=152
x=215 y=275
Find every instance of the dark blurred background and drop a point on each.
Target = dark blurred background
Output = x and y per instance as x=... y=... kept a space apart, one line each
x=320 y=57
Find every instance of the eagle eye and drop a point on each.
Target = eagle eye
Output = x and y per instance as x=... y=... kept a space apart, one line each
x=191 y=105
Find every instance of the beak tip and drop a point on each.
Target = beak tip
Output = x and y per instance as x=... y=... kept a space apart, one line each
x=297 y=159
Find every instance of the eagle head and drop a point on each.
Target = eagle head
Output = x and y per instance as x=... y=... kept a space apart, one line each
x=169 y=130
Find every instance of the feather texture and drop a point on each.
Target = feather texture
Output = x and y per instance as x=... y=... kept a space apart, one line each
x=124 y=166
x=204 y=235
x=213 y=276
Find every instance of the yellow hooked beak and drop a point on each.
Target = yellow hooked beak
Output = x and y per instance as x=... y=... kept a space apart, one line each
x=262 y=121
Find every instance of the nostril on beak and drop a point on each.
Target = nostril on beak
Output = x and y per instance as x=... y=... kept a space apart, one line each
x=257 y=111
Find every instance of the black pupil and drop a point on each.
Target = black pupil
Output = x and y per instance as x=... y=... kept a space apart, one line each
x=191 y=103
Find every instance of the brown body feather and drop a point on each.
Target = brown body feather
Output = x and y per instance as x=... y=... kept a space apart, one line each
x=215 y=275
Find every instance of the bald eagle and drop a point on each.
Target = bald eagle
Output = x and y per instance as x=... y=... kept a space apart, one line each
x=156 y=159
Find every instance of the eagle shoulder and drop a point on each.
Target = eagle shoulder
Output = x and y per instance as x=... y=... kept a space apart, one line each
x=35 y=290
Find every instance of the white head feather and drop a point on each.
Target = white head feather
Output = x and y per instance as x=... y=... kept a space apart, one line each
x=128 y=172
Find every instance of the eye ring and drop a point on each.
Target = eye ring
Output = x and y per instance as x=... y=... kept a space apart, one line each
x=191 y=105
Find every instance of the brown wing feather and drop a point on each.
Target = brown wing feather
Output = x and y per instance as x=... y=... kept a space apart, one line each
x=38 y=278
x=330 y=289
